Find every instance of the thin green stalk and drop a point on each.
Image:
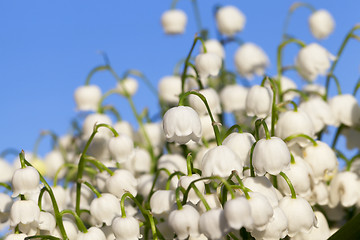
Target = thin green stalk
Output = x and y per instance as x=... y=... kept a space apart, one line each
x=92 y=188
x=49 y=237
x=252 y=172
x=327 y=84
x=99 y=165
x=155 y=179
x=279 y=61
x=214 y=123
x=65 y=165
x=79 y=223
x=95 y=70
x=302 y=94
x=144 y=212
x=242 y=186
x=82 y=161
x=5 y=185
x=231 y=129
x=183 y=75
x=198 y=80
x=350 y=162
x=177 y=195
x=338 y=55
x=58 y=217
x=168 y=182
x=293 y=194
x=288 y=139
x=104 y=96
x=41 y=194
x=189 y=164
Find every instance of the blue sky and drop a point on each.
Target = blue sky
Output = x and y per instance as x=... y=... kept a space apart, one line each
x=48 y=47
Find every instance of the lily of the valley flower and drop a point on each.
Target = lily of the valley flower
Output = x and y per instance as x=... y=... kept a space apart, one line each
x=321 y=24
x=174 y=21
x=230 y=20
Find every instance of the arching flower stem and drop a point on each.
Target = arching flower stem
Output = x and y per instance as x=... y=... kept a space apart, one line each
x=293 y=194
x=288 y=139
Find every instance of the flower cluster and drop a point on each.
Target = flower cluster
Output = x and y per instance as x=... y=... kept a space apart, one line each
x=267 y=174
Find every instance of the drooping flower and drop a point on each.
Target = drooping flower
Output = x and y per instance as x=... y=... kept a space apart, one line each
x=121 y=148
x=230 y=20
x=214 y=46
x=313 y=60
x=170 y=89
x=185 y=222
x=238 y=213
x=250 y=60
x=182 y=124
x=174 y=21
x=213 y=224
x=92 y=233
x=105 y=208
x=25 y=181
x=258 y=101
x=212 y=99
x=321 y=24
x=233 y=98
x=346 y=110
x=208 y=64
x=87 y=97
x=126 y=228
x=127 y=86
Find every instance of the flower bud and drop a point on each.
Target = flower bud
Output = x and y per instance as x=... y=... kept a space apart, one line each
x=174 y=21
x=87 y=97
x=321 y=24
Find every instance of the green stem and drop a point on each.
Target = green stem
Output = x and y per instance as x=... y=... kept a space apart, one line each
x=231 y=129
x=79 y=223
x=42 y=237
x=289 y=102
x=65 y=165
x=189 y=164
x=252 y=172
x=292 y=159
x=198 y=80
x=5 y=185
x=327 y=84
x=104 y=96
x=266 y=129
x=186 y=64
x=157 y=173
x=213 y=122
x=144 y=212
x=293 y=7
x=338 y=55
x=82 y=161
x=350 y=162
x=58 y=217
x=177 y=195
x=168 y=182
x=293 y=194
x=337 y=134
x=92 y=188
x=279 y=61
x=242 y=186
x=302 y=94
x=95 y=70
x=288 y=139
x=99 y=165
x=41 y=194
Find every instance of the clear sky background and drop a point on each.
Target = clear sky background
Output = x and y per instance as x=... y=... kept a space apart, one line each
x=48 y=47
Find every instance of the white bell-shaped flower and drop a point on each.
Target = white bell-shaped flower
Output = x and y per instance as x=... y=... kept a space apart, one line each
x=162 y=201
x=140 y=163
x=121 y=148
x=127 y=86
x=212 y=99
x=212 y=200
x=91 y=120
x=92 y=233
x=170 y=89
x=321 y=159
x=241 y=144
x=230 y=20
x=53 y=161
x=344 y=189
x=233 y=97
x=174 y=21
x=250 y=60
x=87 y=97
x=238 y=213
x=5 y=206
x=320 y=232
x=346 y=110
x=313 y=60
x=214 y=46
x=208 y=64
x=299 y=213
x=105 y=208
x=6 y=171
x=321 y=24
x=185 y=222
x=271 y=155
x=26 y=213
x=259 y=101
x=182 y=124
x=47 y=222
x=124 y=127
x=213 y=224
x=319 y=195
x=262 y=185
x=220 y=161
x=319 y=112
x=126 y=228
x=155 y=133
x=25 y=181
x=145 y=182
x=122 y=181
x=300 y=175
x=261 y=211
x=275 y=229
x=293 y=123
x=185 y=181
